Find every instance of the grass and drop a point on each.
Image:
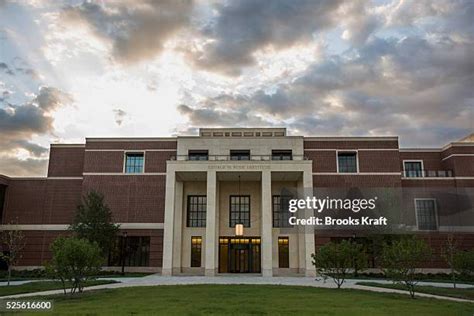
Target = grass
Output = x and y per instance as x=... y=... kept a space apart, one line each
x=249 y=300
x=465 y=293
x=41 y=286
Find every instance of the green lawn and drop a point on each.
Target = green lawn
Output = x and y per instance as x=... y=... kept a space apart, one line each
x=250 y=300
x=443 y=291
x=41 y=286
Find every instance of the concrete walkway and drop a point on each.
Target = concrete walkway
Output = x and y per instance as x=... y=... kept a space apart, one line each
x=157 y=279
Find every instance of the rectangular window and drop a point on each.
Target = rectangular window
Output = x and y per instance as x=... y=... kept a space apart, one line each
x=196 y=211
x=283 y=252
x=280 y=208
x=426 y=216
x=198 y=155
x=134 y=162
x=413 y=169
x=347 y=162
x=282 y=155
x=196 y=246
x=239 y=210
x=240 y=155
x=134 y=250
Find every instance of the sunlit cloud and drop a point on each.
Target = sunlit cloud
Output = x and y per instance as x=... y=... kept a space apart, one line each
x=72 y=69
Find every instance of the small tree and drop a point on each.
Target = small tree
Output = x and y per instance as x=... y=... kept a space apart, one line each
x=401 y=259
x=464 y=263
x=449 y=254
x=93 y=221
x=14 y=242
x=74 y=261
x=359 y=257
x=337 y=259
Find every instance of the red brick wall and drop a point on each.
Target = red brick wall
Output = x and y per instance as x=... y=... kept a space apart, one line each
x=103 y=161
x=155 y=161
x=457 y=150
x=42 y=201
x=350 y=144
x=132 y=145
x=4 y=180
x=25 y=201
x=134 y=199
x=37 y=246
x=379 y=161
x=61 y=201
x=431 y=160
x=463 y=165
x=356 y=181
x=66 y=162
x=323 y=161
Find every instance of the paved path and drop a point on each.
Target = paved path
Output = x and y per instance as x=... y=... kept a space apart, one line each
x=20 y=282
x=156 y=279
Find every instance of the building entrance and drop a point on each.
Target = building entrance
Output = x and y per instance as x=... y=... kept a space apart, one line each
x=239 y=255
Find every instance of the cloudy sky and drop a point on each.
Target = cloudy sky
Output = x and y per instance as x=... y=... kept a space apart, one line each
x=75 y=69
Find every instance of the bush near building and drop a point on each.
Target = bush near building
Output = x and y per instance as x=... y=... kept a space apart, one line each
x=402 y=258
x=337 y=260
x=74 y=261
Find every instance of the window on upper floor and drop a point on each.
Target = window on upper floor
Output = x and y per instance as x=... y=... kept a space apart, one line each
x=240 y=155
x=282 y=154
x=413 y=169
x=426 y=214
x=347 y=162
x=239 y=210
x=198 y=154
x=134 y=162
x=196 y=211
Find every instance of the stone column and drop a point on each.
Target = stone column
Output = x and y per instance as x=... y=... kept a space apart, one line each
x=168 y=234
x=178 y=227
x=310 y=269
x=211 y=224
x=267 y=267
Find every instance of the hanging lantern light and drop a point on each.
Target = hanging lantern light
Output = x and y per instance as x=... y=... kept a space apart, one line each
x=239 y=229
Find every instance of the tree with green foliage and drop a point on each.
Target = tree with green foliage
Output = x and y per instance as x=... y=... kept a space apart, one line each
x=464 y=263
x=94 y=221
x=74 y=261
x=401 y=258
x=449 y=252
x=336 y=260
x=13 y=242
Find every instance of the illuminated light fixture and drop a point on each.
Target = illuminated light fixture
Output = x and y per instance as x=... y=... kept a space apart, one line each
x=239 y=229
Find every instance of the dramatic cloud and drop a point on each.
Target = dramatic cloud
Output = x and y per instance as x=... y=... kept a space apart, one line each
x=137 y=30
x=402 y=87
x=19 y=123
x=243 y=27
x=328 y=67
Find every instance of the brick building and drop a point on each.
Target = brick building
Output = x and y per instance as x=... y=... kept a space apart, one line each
x=179 y=199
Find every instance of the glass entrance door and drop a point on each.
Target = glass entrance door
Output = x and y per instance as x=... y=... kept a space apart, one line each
x=239 y=255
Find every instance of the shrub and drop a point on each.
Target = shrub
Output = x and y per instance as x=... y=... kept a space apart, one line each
x=401 y=259
x=75 y=261
x=336 y=260
x=463 y=262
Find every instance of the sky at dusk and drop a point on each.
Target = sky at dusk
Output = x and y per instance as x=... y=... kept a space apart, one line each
x=76 y=69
